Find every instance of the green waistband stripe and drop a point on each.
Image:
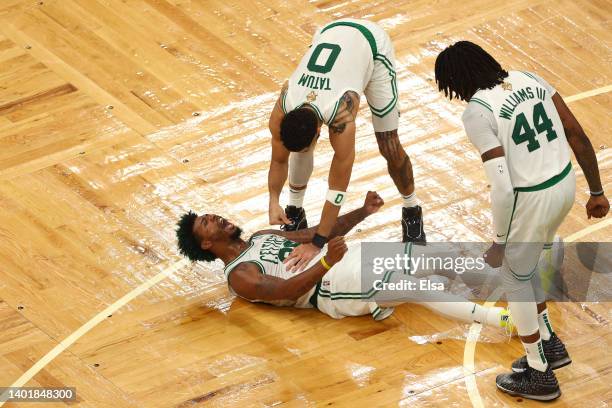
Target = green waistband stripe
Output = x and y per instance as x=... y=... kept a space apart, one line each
x=548 y=183
x=366 y=33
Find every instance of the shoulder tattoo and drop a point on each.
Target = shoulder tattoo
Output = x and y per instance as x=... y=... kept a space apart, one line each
x=347 y=112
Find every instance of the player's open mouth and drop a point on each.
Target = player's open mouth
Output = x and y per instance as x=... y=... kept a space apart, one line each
x=226 y=225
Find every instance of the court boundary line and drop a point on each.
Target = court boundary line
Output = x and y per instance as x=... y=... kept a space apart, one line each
x=93 y=322
x=470 y=380
x=469 y=352
x=588 y=94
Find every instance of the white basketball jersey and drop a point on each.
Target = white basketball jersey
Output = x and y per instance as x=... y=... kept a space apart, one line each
x=268 y=251
x=339 y=60
x=529 y=128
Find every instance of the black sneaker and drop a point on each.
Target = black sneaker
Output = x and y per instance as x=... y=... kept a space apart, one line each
x=531 y=384
x=412 y=225
x=297 y=217
x=554 y=351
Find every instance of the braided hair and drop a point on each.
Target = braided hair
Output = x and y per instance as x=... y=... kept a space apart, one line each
x=464 y=67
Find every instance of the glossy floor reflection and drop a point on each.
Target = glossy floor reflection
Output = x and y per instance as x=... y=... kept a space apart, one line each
x=118 y=116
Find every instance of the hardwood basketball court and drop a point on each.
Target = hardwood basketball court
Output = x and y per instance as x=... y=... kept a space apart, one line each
x=116 y=116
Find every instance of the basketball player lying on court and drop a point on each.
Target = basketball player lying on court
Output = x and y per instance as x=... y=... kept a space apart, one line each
x=331 y=283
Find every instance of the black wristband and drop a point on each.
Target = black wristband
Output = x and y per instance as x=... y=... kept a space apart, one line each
x=597 y=194
x=319 y=241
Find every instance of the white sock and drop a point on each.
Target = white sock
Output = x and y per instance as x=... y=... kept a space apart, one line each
x=410 y=200
x=544 y=322
x=489 y=316
x=296 y=197
x=535 y=355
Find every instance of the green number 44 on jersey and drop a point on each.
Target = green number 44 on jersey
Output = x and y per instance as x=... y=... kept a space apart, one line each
x=523 y=132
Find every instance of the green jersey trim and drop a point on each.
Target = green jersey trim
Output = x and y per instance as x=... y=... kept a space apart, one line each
x=326 y=293
x=283 y=102
x=232 y=264
x=530 y=76
x=512 y=215
x=481 y=102
x=261 y=267
x=335 y=111
x=315 y=107
x=381 y=112
x=548 y=183
x=524 y=278
x=366 y=33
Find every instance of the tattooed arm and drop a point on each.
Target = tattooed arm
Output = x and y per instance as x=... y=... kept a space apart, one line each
x=347 y=112
x=279 y=164
x=342 y=139
x=343 y=225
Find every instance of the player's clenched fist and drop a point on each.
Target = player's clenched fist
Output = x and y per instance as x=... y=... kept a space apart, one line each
x=597 y=206
x=336 y=248
x=373 y=202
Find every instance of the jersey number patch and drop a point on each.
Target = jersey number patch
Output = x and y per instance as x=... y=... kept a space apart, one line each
x=524 y=133
x=334 y=51
x=286 y=249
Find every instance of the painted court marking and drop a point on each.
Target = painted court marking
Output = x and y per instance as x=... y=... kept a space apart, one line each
x=588 y=94
x=470 y=345
x=68 y=341
x=475 y=328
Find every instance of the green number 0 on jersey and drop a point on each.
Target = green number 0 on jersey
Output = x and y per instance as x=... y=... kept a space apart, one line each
x=331 y=58
x=524 y=133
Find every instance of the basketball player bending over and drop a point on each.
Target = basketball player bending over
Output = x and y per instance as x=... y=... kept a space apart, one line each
x=524 y=132
x=347 y=58
x=331 y=283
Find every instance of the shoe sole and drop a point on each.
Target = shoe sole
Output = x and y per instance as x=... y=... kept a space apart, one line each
x=547 y=397
x=421 y=239
x=556 y=365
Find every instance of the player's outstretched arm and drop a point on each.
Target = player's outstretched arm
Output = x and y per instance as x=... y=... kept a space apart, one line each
x=598 y=205
x=342 y=139
x=344 y=223
x=248 y=281
x=339 y=176
x=279 y=167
